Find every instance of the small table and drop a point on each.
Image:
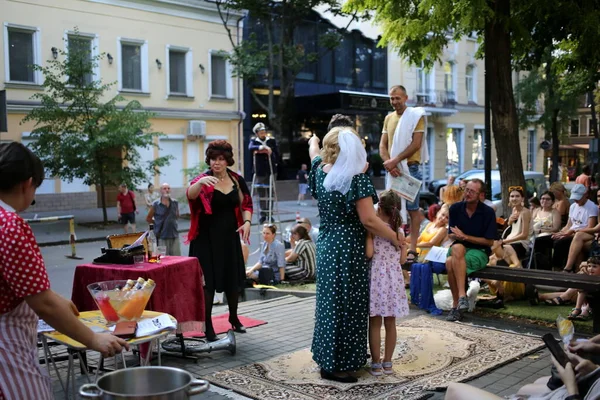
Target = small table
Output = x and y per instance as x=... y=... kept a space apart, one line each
x=179 y=285
x=93 y=319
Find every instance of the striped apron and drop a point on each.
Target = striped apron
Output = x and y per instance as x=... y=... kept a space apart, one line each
x=21 y=376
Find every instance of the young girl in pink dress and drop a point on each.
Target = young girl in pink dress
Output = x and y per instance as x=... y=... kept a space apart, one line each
x=388 y=296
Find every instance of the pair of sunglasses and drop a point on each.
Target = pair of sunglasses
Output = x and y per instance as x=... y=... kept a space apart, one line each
x=518 y=188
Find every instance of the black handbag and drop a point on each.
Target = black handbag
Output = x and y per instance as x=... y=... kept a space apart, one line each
x=266 y=276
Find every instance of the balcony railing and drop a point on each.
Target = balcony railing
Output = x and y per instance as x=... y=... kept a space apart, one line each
x=425 y=98
x=447 y=98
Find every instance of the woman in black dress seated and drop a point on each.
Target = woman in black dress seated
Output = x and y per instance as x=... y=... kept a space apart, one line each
x=221 y=211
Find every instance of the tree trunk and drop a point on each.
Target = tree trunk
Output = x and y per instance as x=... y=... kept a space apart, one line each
x=553 y=120
x=504 y=114
x=103 y=202
x=555 y=144
x=100 y=167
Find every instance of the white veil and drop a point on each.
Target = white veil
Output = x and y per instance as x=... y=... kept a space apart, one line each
x=351 y=161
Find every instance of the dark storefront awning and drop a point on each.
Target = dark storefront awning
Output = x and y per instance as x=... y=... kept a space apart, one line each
x=349 y=102
x=344 y=102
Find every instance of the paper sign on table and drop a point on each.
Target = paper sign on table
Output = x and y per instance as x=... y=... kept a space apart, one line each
x=406 y=186
x=437 y=254
x=151 y=326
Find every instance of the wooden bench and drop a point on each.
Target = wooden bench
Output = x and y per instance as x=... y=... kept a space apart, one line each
x=588 y=283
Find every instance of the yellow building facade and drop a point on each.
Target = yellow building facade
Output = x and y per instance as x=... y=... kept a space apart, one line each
x=452 y=93
x=169 y=55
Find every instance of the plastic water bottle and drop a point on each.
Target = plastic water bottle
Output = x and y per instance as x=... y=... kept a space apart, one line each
x=152 y=245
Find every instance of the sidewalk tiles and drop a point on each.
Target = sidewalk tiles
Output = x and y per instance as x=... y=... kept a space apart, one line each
x=290 y=327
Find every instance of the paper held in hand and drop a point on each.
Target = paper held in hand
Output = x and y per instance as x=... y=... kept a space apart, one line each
x=406 y=186
x=437 y=254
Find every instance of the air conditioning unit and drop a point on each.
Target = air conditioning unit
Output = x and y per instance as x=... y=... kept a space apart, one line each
x=197 y=128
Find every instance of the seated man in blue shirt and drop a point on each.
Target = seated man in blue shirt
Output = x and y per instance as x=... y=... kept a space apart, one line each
x=472 y=227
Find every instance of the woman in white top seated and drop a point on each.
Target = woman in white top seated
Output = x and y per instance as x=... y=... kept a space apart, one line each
x=514 y=246
x=546 y=219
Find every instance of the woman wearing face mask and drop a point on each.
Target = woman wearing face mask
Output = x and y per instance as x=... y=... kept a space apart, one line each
x=25 y=292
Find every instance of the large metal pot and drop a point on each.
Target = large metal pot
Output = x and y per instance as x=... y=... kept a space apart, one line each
x=145 y=383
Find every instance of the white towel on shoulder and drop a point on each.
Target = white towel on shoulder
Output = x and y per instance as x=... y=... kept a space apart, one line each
x=402 y=138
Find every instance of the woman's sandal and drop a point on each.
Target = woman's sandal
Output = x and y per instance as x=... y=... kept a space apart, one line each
x=575 y=314
x=410 y=261
x=557 y=301
x=582 y=317
x=387 y=367
x=376 y=369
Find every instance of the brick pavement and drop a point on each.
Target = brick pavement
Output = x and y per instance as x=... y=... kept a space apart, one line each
x=290 y=326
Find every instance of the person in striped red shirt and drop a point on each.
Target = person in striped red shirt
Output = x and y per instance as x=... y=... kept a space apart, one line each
x=25 y=292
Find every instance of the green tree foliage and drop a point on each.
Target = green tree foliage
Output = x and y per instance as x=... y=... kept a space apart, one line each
x=77 y=135
x=273 y=60
x=517 y=33
x=420 y=30
x=549 y=96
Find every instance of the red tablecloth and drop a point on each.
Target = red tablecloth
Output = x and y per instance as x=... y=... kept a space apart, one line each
x=178 y=289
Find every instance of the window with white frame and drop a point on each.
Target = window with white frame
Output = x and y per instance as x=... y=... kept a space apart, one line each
x=470 y=83
x=21 y=53
x=85 y=45
x=179 y=60
x=424 y=85
x=48 y=184
x=531 y=149
x=449 y=75
x=454 y=143
x=478 y=149
x=133 y=65
x=220 y=76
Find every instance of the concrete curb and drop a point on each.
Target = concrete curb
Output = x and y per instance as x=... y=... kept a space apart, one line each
x=268 y=294
x=103 y=238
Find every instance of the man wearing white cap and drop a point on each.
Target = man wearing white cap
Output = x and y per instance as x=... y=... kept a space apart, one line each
x=263 y=148
x=582 y=214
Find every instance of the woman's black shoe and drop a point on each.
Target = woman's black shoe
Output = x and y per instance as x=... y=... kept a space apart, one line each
x=332 y=377
x=211 y=336
x=237 y=326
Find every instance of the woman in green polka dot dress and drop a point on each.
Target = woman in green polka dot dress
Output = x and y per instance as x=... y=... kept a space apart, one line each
x=345 y=197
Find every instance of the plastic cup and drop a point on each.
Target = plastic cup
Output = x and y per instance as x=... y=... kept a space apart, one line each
x=139 y=261
x=162 y=251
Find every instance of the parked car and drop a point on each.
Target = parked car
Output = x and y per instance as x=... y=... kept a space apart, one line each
x=426 y=199
x=435 y=185
x=535 y=183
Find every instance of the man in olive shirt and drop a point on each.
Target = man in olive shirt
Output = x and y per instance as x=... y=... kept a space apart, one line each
x=411 y=153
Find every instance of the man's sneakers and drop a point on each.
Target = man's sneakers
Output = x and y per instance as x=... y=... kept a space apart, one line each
x=454 y=315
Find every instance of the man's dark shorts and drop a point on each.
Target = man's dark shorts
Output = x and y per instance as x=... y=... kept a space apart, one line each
x=127 y=217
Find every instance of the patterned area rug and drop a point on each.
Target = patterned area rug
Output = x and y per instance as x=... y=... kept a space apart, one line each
x=430 y=353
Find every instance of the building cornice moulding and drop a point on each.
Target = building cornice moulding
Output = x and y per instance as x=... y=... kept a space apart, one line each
x=192 y=9
x=23 y=107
